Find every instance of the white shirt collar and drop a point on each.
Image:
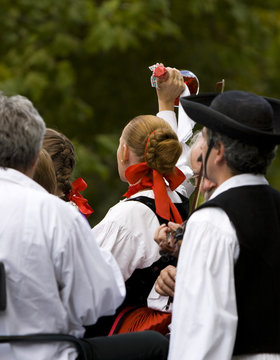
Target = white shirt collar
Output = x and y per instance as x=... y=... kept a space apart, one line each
x=20 y=178
x=239 y=180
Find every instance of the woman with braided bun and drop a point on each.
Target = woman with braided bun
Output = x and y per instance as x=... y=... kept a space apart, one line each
x=148 y=152
x=147 y=156
x=62 y=153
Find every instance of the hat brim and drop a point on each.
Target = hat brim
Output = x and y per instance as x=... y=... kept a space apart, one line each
x=199 y=110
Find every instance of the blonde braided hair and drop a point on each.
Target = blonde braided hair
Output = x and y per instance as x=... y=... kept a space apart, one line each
x=153 y=140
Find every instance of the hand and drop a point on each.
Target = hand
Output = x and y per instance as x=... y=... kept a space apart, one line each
x=164 y=237
x=161 y=234
x=165 y=283
x=174 y=238
x=170 y=89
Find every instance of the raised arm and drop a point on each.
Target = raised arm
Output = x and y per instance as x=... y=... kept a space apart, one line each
x=167 y=92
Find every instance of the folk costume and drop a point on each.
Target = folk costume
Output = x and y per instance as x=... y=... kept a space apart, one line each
x=128 y=228
x=58 y=280
x=226 y=302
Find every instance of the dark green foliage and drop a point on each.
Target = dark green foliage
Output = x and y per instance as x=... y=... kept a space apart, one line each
x=84 y=64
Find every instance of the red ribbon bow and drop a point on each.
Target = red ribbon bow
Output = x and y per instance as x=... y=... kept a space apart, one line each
x=75 y=196
x=164 y=206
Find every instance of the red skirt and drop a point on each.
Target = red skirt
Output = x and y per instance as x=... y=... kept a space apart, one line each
x=140 y=319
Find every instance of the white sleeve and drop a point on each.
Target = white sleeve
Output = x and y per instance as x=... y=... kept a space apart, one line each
x=90 y=282
x=185 y=123
x=204 y=310
x=128 y=232
x=170 y=118
x=159 y=302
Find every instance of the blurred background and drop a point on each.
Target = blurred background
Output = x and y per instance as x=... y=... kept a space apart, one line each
x=85 y=66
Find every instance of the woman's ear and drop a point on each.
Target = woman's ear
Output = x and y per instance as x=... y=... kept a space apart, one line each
x=126 y=153
x=128 y=156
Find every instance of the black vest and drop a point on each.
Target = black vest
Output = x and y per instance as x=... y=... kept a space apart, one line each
x=255 y=214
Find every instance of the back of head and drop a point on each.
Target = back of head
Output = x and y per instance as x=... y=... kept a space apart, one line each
x=21 y=132
x=153 y=140
x=44 y=173
x=241 y=157
x=62 y=153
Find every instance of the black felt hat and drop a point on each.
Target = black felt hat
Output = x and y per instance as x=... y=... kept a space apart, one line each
x=241 y=115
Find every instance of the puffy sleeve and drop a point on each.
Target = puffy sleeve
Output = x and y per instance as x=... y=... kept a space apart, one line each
x=90 y=282
x=128 y=232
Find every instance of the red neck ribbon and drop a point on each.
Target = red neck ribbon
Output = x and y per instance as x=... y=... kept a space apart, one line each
x=75 y=196
x=150 y=178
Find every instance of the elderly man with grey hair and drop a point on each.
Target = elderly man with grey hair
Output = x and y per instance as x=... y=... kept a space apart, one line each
x=57 y=279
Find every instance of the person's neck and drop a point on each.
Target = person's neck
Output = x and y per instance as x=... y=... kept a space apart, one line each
x=223 y=175
x=29 y=173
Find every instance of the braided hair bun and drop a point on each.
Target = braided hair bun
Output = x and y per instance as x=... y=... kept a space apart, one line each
x=62 y=153
x=153 y=140
x=163 y=150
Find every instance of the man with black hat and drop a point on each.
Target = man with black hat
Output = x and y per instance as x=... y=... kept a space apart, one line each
x=227 y=294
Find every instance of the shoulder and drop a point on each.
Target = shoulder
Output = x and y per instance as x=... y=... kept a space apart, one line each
x=209 y=237
x=213 y=215
x=52 y=203
x=55 y=215
x=127 y=220
x=131 y=217
x=211 y=225
x=130 y=209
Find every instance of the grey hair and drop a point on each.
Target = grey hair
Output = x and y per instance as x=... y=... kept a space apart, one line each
x=197 y=135
x=243 y=158
x=21 y=132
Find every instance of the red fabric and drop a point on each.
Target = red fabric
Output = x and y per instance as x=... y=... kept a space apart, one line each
x=150 y=178
x=75 y=196
x=145 y=318
x=119 y=319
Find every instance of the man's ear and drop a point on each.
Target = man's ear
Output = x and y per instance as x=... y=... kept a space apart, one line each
x=220 y=151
